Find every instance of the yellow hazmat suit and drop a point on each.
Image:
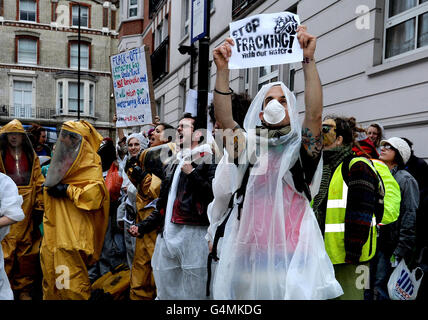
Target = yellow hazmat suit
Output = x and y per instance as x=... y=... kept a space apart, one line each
x=21 y=245
x=74 y=224
x=142 y=281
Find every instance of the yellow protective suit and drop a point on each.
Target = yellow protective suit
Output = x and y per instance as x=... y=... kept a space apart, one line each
x=21 y=246
x=142 y=281
x=75 y=225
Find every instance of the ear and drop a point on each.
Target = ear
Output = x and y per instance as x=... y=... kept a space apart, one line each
x=261 y=115
x=339 y=140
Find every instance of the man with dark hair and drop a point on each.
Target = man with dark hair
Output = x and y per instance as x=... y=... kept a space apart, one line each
x=179 y=259
x=269 y=223
x=345 y=205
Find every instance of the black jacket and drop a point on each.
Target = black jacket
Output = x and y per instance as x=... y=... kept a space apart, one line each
x=194 y=194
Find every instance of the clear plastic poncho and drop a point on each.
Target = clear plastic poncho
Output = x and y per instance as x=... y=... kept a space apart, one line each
x=179 y=260
x=10 y=206
x=66 y=151
x=276 y=250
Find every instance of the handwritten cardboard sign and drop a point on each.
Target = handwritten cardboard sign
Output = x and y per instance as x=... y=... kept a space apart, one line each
x=131 y=88
x=265 y=39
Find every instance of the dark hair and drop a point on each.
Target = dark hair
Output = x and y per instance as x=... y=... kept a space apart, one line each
x=398 y=159
x=166 y=127
x=379 y=133
x=34 y=133
x=240 y=104
x=345 y=127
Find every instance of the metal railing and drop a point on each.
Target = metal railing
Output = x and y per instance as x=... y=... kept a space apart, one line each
x=27 y=112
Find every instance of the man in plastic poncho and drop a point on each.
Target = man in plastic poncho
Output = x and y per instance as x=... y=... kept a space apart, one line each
x=76 y=213
x=272 y=248
x=179 y=259
x=10 y=213
x=21 y=245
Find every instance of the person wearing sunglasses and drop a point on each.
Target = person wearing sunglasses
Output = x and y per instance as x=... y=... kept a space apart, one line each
x=396 y=240
x=345 y=205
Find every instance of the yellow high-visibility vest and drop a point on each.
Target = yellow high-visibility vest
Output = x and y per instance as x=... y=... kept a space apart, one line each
x=335 y=219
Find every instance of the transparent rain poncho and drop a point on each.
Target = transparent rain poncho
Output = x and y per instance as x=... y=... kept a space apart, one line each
x=18 y=156
x=10 y=206
x=179 y=261
x=66 y=151
x=276 y=250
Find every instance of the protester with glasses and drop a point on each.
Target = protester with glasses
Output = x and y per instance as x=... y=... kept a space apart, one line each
x=398 y=239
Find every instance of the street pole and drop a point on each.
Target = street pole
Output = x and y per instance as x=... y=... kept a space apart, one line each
x=204 y=47
x=78 y=68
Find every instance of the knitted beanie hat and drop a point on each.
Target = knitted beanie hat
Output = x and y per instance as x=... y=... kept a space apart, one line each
x=401 y=145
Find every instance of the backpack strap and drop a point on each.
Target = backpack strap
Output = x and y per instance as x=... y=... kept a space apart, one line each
x=220 y=229
x=299 y=179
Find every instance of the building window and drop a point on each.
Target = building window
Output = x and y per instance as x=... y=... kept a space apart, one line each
x=60 y=101
x=22 y=99
x=67 y=97
x=54 y=6
x=268 y=74
x=406 y=27
x=73 y=97
x=84 y=55
x=132 y=8
x=185 y=17
x=27 y=50
x=161 y=32
x=1 y=8
x=85 y=13
x=27 y=10
x=113 y=20
x=91 y=99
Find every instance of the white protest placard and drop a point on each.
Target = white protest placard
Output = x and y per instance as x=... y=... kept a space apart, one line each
x=131 y=88
x=265 y=39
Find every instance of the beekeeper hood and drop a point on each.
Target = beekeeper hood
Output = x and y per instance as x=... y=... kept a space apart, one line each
x=17 y=153
x=69 y=155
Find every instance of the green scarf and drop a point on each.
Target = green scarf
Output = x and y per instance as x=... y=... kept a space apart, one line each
x=274 y=132
x=331 y=160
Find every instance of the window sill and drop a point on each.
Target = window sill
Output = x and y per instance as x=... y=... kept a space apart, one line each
x=389 y=66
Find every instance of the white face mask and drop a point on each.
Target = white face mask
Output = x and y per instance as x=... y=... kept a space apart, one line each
x=274 y=112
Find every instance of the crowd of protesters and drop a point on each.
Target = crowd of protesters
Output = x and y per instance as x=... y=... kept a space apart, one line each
x=263 y=207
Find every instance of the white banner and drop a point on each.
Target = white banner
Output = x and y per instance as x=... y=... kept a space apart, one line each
x=131 y=88
x=265 y=39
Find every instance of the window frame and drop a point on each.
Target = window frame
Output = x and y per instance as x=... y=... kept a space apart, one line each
x=82 y=42
x=402 y=17
x=85 y=96
x=28 y=113
x=268 y=76
x=185 y=23
x=18 y=11
x=27 y=37
x=88 y=6
x=132 y=6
